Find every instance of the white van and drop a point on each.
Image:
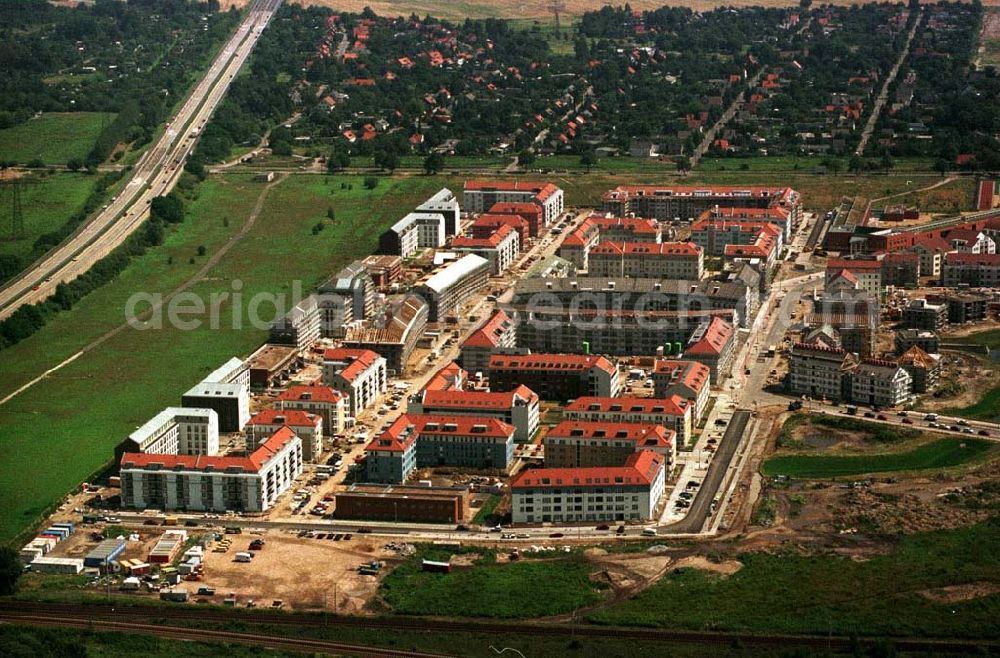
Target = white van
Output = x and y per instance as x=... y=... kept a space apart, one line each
x=244 y=556
x=649 y=532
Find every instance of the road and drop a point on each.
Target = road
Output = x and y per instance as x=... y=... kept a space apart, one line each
x=702 y=506
x=883 y=95
x=155 y=174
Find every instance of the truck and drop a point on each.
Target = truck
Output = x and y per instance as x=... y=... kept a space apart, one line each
x=852 y=410
x=772 y=350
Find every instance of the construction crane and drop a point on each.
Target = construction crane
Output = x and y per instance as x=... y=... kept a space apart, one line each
x=556 y=8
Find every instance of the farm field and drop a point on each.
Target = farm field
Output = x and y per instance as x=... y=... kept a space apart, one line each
x=133 y=374
x=533 y=588
x=47 y=202
x=940 y=453
x=942 y=583
x=54 y=137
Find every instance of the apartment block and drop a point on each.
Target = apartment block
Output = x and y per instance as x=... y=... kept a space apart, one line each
x=321 y=401
x=675 y=413
x=359 y=374
x=518 y=407
x=666 y=260
x=226 y=390
x=497 y=334
x=480 y=196
x=500 y=248
x=453 y=286
x=394 y=336
x=308 y=427
x=603 y=493
x=690 y=380
x=427 y=441
x=581 y=444
x=201 y=483
x=175 y=430
x=300 y=327
x=555 y=376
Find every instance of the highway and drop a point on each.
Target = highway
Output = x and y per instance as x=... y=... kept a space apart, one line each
x=154 y=174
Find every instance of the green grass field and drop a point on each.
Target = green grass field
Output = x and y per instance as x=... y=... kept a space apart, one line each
x=486 y=589
x=47 y=201
x=54 y=137
x=826 y=593
x=987 y=408
x=93 y=403
x=941 y=453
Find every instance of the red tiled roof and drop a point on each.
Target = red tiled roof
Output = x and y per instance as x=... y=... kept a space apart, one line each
x=712 y=343
x=674 y=405
x=492 y=242
x=448 y=378
x=640 y=469
x=514 y=208
x=541 y=189
x=495 y=401
x=585 y=429
x=633 y=224
x=686 y=249
x=489 y=334
x=408 y=427
x=972 y=259
x=356 y=361
x=290 y=417
x=693 y=374
x=550 y=362
x=311 y=393
x=251 y=464
x=852 y=265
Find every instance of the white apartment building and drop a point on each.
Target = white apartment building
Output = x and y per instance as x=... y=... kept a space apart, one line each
x=444 y=203
x=226 y=390
x=570 y=495
x=176 y=430
x=818 y=372
x=361 y=375
x=880 y=383
x=212 y=483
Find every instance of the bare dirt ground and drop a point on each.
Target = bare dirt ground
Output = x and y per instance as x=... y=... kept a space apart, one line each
x=304 y=573
x=525 y=8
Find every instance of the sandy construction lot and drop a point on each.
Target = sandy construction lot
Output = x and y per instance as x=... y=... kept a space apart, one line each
x=305 y=573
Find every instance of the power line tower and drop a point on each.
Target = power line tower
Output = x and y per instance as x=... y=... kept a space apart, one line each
x=557 y=7
x=12 y=227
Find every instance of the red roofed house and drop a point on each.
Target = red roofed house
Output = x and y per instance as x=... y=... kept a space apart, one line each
x=481 y=195
x=308 y=427
x=426 y=441
x=713 y=344
x=201 y=483
x=750 y=239
x=626 y=229
x=576 y=245
x=976 y=270
x=322 y=401
x=868 y=272
x=555 y=376
x=498 y=333
x=642 y=260
x=360 y=374
x=579 y=443
x=581 y=494
x=689 y=379
x=518 y=407
x=675 y=413
x=500 y=248
x=530 y=212
x=487 y=224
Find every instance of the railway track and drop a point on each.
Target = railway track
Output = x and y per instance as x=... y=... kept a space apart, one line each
x=155 y=617
x=208 y=635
